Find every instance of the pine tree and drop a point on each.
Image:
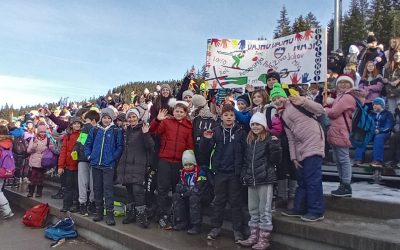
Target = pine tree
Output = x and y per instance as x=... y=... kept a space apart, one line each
x=299 y=25
x=395 y=32
x=381 y=21
x=283 y=27
x=353 y=26
x=312 y=21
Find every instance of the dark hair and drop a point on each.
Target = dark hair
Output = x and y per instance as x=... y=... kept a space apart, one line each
x=81 y=112
x=3 y=130
x=228 y=108
x=92 y=115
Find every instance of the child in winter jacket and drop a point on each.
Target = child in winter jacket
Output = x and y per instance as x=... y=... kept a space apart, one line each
x=371 y=83
x=70 y=166
x=258 y=174
x=37 y=146
x=5 y=144
x=85 y=177
x=132 y=167
x=175 y=137
x=187 y=196
x=383 y=128
x=228 y=143
x=103 y=148
x=243 y=115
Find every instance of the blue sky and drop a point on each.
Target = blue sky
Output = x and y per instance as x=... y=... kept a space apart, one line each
x=78 y=49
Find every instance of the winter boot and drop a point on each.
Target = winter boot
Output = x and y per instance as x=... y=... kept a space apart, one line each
x=6 y=210
x=238 y=236
x=130 y=214
x=263 y=240
x=31 y=189
x=344 y=190
x=291 y=194
x=92 y=208
x=142 y=216
x=110 y=217
x=39 y=190
x=75 y=207
x=214 y=233
x=99 y=214
x=59 y=195
x=83 y=209
x=253 y=238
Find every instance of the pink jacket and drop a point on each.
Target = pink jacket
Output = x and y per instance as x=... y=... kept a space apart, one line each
x=36 y=148
x=338 y=134
x=305 y=135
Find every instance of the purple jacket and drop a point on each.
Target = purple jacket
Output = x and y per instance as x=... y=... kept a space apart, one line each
x=305 y=134
x=372 y=88
x=338 y=134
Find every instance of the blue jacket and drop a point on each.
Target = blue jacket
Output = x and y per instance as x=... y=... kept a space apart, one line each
x=383 y=121
x=244 y=117
x=17 y=132
x=104 y=150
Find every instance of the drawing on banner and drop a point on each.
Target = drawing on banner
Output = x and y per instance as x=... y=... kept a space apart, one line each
x=299 y=58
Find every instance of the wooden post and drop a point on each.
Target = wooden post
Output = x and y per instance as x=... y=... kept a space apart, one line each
x=325 y=92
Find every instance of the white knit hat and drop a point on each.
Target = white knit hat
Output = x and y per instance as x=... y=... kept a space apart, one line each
x=260 y=119
x=346 y=78
x=188 y=157
x=172 y=102
x=134 y=111
x=199 y=101
x=187 y=93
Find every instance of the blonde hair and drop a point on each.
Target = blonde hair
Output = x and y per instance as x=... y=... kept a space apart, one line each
x=251 y=137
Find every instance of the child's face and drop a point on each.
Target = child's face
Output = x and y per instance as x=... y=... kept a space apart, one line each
x=271 y=81
x=188 y=167
x=29 y=125
x=76 y=126
x=179 y=113
x=119 y=123
x=241 y=105
x=370 y=67
x=257 y=99
x=106 y=120
x=132 y=119
x=279 y=101
x=377 y=107
x=165 y=92
x=396 y=57
x=188 y=99
x=228 y=119
x=257 y=128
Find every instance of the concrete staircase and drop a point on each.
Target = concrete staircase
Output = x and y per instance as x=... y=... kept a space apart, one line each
x=349 y=224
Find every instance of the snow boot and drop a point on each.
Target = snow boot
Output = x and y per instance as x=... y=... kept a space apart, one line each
x=253 y=238
x=31 y=190
x=130 y=214
x=142 y=216
x=110 y=217
x=263 y=240
x=99 y=214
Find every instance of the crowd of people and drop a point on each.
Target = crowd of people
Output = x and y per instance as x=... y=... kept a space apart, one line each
x=258 y=147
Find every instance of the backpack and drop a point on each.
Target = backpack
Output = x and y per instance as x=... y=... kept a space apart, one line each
x=119 y=209
x=36 y=216
x=49 y=158
x=322 y=119
x=63 y=229
x=19 y=146
x=7 y=163
x=362 y=125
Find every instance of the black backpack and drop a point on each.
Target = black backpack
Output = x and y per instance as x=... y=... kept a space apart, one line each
x=19 y=146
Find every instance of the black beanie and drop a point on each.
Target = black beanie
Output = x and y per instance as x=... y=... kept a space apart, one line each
x=275 y=75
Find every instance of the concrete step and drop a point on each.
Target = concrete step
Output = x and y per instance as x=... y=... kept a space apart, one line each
x=344 y=230
x=357 y=206
x=133 y=237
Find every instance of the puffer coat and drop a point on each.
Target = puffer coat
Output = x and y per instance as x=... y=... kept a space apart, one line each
x=260 y=160
x=138 y=150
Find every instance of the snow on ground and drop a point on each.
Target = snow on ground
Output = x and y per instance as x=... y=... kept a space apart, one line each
x=365 y=190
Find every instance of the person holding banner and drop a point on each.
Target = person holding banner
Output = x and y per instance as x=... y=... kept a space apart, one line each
x=306 y=145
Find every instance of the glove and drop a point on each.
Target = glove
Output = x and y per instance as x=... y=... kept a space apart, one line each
x=247 y=180
x=74 y=155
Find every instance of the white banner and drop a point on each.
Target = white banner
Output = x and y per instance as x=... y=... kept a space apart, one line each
x=300 y=58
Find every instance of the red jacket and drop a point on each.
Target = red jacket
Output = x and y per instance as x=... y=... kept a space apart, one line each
x=65 y=158
x=175 y=137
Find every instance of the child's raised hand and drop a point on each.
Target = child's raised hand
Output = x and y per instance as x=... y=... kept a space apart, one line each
x=162 y=115
x=208 y=134
x=145 y=128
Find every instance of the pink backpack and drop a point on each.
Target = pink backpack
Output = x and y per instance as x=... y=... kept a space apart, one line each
x=7 y=163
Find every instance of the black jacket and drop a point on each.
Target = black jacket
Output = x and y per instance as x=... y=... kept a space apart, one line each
x=138 y=150
x=227 y=147
x=260 y=160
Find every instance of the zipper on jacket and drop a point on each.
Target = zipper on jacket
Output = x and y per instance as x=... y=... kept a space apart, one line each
x=252 y=162
x=102 y=147
x=176 y=139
